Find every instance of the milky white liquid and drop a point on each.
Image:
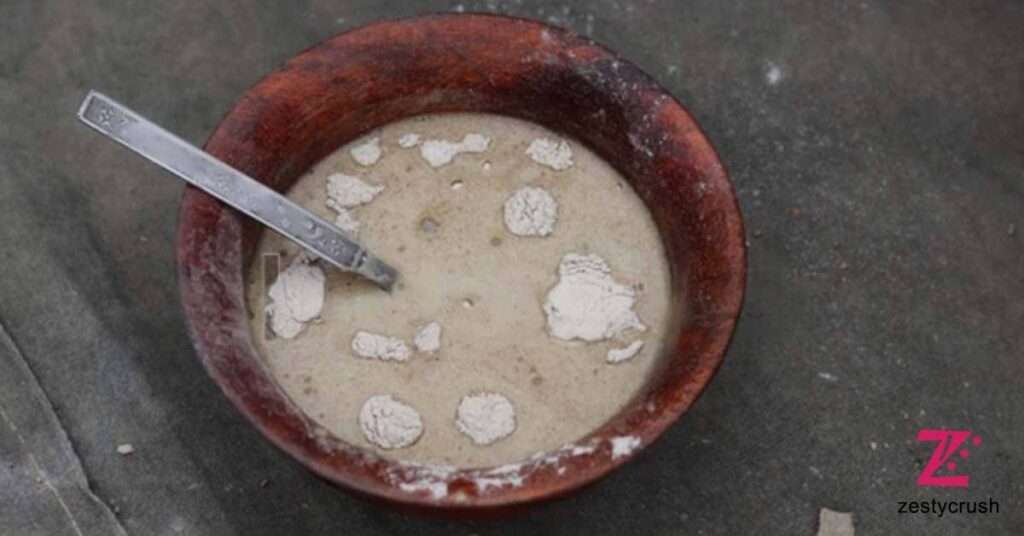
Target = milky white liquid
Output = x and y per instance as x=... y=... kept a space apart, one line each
x=443 y=229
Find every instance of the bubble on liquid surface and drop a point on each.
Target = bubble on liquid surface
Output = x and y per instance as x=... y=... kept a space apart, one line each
x=429 y=225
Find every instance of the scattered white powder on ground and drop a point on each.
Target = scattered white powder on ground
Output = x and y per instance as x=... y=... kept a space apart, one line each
x=368 y=153
x=618 y=355
x=832 y=523
x=388 y=423
x=428 y=338
x=408 y=141
x=346 y=191
x=773 y=74
x=531 y=211
x=587 y=303
x=296 y=297
x=374 y=346
x=346 y=222
x=440 y=152
x=556 y=155
x=623 y=445
x=485 y=417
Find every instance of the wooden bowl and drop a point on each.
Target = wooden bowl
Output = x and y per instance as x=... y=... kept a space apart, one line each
x=365 y=78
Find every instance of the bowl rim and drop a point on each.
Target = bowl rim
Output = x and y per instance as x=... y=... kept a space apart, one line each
x=209 y=259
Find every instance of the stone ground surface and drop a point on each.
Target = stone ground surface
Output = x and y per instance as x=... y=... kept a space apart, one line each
x=878 y=151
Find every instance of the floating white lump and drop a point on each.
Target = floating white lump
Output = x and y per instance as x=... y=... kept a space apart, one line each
x=441 y=152
x=555 y=154
x=531 y=211
x=296 y=297
x=428 y=338
x=367 y=153
x=345 y=192
x=408 y=141
x=485 y=417
x=373 y=346
x=389 y=423
x=587 y=303
x=618 y=355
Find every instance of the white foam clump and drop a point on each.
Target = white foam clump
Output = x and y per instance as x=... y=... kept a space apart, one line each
x=485 y=417
x=623 y=445
x=441 y=152
x=345 y=192
x=531 y=211
x=618 y=355
x=408 y=141
x=389 y=423
x=375 y=346
x=555 y=154
x=587 y=303
x=428 y=338
x=296 y=297
x=367 y=153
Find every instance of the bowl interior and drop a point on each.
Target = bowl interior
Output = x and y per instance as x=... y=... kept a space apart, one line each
x=361 y=80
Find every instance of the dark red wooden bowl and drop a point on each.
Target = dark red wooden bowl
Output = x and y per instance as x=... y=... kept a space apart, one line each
x=360 y=80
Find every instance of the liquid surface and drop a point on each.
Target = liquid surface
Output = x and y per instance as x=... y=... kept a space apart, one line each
x=443 y=229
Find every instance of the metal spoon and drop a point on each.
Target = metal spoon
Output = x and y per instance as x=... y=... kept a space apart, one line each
x=233 y=187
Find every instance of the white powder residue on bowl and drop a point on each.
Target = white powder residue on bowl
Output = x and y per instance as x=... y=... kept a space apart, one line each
x=296 y=297
x=623 y=445
x=367 y=153
x=531 y=211
x=485 y=482
x=587 y=303
x=440 y=152
x=485 y=417
x=408 y=141
x=388 y=423
x=438 y=489
x=555 y=154
x=414 y=477
x=374 y=346
x=428 y=338
x=618 y=355
x=346 y=191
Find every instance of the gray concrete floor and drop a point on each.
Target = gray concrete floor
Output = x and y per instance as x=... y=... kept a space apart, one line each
x=878 y=151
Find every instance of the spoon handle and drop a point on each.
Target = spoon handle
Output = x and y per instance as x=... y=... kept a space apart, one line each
x=233 y=187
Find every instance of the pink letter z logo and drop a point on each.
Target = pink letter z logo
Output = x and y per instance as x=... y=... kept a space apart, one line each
x=949 y=441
